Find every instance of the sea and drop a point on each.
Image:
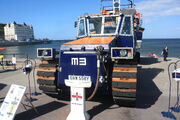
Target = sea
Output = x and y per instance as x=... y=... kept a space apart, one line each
x=154 y=46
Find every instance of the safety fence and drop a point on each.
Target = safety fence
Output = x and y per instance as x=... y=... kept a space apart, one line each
x=13 y=61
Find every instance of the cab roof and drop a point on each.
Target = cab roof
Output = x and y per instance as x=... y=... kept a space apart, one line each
x=124 y=11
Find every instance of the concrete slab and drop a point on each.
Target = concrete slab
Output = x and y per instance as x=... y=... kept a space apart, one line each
x=152 y=97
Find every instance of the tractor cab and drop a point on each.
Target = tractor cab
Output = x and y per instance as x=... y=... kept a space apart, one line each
x=124 y=25
x=99 y=25
x=105 y=25
x=112 y=21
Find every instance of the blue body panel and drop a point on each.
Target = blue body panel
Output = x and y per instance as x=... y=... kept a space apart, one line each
x=125 y=41
x=139 y=35
x=67 y=68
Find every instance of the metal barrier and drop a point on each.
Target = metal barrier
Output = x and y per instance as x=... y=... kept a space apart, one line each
x=11 y=61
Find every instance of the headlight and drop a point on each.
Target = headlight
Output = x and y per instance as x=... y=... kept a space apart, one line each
x=45 y=53
x=123 y=53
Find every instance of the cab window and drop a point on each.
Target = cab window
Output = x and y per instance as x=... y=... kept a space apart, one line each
x=127 y=27
x=95 y=25
x=110 y=25
x=81 y=31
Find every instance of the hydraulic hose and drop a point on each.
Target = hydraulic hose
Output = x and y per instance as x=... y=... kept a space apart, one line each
x=97 y=81
x=99 y=51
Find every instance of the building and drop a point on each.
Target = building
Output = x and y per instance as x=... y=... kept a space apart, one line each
x=2 y=31
x=21 y=32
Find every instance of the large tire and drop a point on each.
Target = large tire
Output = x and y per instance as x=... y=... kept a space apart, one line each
x=47 y=89
x=47 y=76
x=46 y=73
x=124 y=80
x=138 y=57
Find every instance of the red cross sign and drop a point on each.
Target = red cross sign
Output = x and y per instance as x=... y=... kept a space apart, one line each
x=77 y=96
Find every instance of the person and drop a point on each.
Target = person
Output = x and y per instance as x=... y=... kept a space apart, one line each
x=165 y=53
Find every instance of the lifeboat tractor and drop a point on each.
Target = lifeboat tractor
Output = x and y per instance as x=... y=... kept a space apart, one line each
x=106 y=52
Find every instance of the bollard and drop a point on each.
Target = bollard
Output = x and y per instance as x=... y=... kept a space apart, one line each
x=78 y=98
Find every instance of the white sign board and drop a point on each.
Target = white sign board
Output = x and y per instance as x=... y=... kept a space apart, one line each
x=11 y=102
x=78 y=81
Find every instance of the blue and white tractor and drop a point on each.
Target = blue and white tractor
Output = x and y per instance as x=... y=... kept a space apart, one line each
x=105 y=52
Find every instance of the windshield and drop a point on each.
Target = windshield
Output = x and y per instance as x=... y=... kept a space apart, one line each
x=81 y=31
x=95 y=25
x=110 y=25
x=98 y=25
x=126 y=29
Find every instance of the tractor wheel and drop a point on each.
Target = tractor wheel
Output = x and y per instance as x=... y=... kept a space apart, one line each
x=137 y=57
x=124 y=80
x=46 y=76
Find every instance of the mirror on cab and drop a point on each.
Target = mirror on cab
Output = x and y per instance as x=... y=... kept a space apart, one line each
x=75 y=24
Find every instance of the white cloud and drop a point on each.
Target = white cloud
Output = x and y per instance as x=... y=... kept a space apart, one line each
x=159 y=7
x=155 y=11
x=176 y=28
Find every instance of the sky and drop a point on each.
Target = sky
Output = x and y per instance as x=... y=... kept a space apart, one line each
x=54 y=19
